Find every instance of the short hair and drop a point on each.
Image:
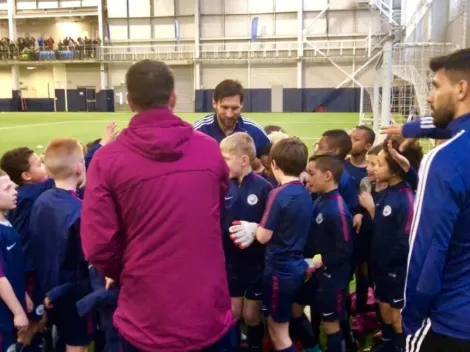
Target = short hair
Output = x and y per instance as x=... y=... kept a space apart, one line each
x=375 y=150
x=456 y=65
x=329 y=162
x=239 y=143
x=229 y=88
x=266 y=150
x=273 y=128
x=60 y=157
x=275 y=137
x=16 y=161
x=290 y=155
x=370 y=134
x=150 y=84
x=414 y=154
x=339 y=139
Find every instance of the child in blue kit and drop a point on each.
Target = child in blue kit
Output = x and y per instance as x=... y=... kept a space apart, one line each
x=332 y=244
x=55 y=240
x=13 y=317
x=284 y=228
x=244 y=203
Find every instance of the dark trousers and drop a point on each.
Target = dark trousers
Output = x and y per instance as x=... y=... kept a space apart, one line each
x=433 y=342
x=227 y=344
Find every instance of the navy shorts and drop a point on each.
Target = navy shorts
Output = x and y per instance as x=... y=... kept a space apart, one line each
x=73 y=329
x=246 y=282
x=32 y=288
x=324 y=295
x=8 y=341
x=390 y=288
x=280 y=291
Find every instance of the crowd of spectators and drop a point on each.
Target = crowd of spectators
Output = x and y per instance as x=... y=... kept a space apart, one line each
x=32 y=49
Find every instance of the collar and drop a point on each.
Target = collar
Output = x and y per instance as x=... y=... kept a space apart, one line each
x=460 y=123
x=245 y=180
x=397 y=187
x=239 y=127
x=330 y=194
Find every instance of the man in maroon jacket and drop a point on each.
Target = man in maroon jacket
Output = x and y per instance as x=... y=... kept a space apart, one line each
x=151 y=222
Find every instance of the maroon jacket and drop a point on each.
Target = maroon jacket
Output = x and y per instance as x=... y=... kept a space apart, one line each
x=151 y=220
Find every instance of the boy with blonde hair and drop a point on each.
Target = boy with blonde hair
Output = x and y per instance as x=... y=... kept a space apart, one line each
x=55 y=240
x=245 y=203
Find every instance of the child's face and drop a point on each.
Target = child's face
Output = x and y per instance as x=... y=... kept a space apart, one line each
x=37 y=171
x=322 y=147
x=8 y=194
x=317 y=180
x=371 y=164
x=382 y=170
x=359 y=142
x=266 y=162
x=236 y=164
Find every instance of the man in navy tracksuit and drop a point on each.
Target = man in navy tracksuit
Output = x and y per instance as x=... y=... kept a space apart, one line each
x=228 y=103
x=436 y=315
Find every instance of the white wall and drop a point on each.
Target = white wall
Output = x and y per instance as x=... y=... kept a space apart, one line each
x=268 y=75
x=83 y=75
x=211 y=75
x=53 y=4
x=4 y=28
x=6 y=86
x=117 y=74
x=150 y=19
x=37 y=83
x=57 y=28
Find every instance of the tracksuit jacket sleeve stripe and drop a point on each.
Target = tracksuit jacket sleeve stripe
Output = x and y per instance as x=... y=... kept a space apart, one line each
x=436 y=210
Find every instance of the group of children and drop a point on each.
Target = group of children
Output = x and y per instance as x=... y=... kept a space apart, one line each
x=295 y=230
x=351 y=215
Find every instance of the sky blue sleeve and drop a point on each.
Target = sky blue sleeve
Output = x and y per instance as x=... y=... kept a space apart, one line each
x=437 y=207
x=416 y=129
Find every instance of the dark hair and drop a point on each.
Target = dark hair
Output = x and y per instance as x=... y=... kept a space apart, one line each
x=149 y=84
x=456 y=64
x=370 y=134
x=273 y=128
x=414 y=154
x=329 y=162
x=92 y=143
x=228 y=88
x=290 y=155
x=16 y=161
x=375 y=150
x=339 y=139
x=266 y=150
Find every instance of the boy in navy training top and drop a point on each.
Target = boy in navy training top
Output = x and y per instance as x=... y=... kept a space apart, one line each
x=332 y=244
x=245 y=202
x=27 y=170
x=284 y=227
x=362 y=139
x=55 y=240
x=12 y=283
x=339 y=143
x=392 y=216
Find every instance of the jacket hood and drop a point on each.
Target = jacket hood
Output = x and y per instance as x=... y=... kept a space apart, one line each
x=157 y=134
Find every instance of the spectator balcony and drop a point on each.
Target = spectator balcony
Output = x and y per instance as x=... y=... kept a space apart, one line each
x=46 y=9
x=186 y=53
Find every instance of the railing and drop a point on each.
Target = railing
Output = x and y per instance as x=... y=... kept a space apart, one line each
x=15 y=54
x=187 y=52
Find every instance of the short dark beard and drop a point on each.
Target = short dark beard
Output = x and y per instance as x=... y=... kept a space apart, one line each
x=443 y=116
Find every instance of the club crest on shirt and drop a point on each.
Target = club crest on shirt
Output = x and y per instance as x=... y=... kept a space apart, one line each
x=40 y=310
x=319 y=218
x=387 y=210
x=252 y=199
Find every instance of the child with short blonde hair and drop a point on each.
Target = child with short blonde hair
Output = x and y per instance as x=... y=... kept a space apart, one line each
x=245 y=203
x=55 y=240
